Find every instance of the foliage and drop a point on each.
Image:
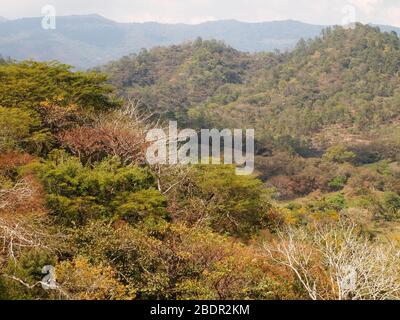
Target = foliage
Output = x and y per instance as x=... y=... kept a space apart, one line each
x=15 y=126
x=27 y=84
x=214 y=196
x=339 y=154
x=181 y=263
x=77 y=193
x=82 y=281
x=29 y=271
x=391 y=203
x=338 y=183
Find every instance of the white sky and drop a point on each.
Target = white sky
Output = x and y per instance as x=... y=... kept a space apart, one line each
x=195 y=11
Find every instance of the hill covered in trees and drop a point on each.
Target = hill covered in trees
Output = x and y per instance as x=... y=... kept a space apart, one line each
x=345 y=78
x=329 y=65
x=335 y=97
x=80 y=203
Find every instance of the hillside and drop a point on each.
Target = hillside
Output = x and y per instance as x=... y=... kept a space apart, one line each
x=338 y=93
x=77 y=192
x=346 y=77
x=169 y=81
x=92 y=40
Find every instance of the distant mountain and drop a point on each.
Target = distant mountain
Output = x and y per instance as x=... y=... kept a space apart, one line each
x=2 y=19
x=87 y=41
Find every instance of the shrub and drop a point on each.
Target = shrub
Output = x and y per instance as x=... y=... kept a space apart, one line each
x=81 y=280
x=216 y=197
x=15 y=126
x=338 y=183
x=391 y=204
x=339 y=154
x=78 y=193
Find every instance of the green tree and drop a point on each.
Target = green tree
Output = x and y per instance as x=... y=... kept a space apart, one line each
x=77 y=193
x=27 y=84
x=217 y=197
x=15 y=126
x=339 y=154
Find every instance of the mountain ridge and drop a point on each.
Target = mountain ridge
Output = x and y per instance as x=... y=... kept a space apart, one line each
x=91 y=40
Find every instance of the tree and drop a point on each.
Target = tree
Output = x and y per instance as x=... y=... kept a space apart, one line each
x=119 y=134
x=15 y=126
x=27 y=84
x=391 y=204
x=80 y=280
x=214 y=196
x=178 y=262
x=77 y=193
x=339 y=154
x=337 y=262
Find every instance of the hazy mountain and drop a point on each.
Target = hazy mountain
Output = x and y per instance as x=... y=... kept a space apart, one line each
x=86 y=41
x=2 y=19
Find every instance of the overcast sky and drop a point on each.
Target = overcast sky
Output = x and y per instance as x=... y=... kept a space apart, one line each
x=195 y=11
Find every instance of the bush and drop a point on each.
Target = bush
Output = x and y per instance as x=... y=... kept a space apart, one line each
x=15 y=126
x=78 y=193
x=339 y=154
x=336 y=202
x=338 y=183
x=216 y=197
x=391 y=204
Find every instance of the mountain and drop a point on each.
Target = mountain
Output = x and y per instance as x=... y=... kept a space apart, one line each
x=87 y=41
x=345 y=81
x=91 y=40
x=2 y=19
x=170 y=80
x=77 y=40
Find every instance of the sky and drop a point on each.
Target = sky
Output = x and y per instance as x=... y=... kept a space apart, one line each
x=195 y=11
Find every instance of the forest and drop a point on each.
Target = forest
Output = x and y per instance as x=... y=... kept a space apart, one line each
x=318 y=220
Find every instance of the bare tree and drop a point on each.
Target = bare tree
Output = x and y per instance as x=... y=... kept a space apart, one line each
x=23 y=233
x=17 y=234
x=337 y=262
x=20 y=191
x=121 y=133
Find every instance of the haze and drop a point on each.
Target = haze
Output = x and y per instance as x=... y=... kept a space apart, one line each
x=196 y=11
